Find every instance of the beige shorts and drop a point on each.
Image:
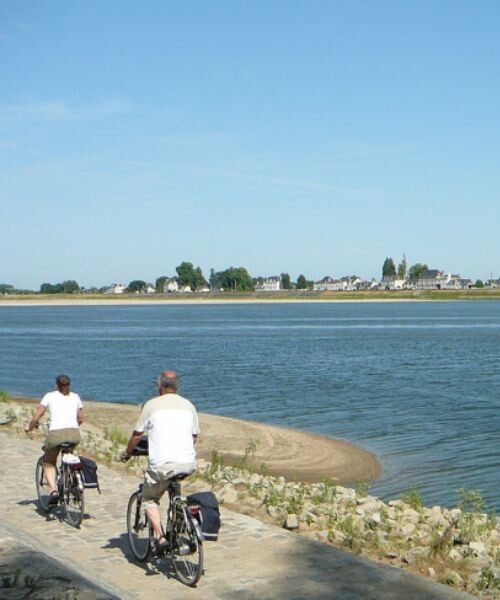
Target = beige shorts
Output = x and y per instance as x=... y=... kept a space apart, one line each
x=156 y=480
x=54 y=439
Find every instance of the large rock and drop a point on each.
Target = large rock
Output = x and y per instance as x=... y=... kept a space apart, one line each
x=228 y=496
x=478 y=548
x=292 y=522
x=416 y=555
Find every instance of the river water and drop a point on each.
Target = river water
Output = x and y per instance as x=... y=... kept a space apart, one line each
x=417 y=383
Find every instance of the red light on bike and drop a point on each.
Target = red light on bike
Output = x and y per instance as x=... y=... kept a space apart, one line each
x=76 y=466
x=194 y=510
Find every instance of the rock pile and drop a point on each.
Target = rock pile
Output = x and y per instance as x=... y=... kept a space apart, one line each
x=457 y=546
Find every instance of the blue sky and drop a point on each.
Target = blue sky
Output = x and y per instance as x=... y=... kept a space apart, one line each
x=313 y=137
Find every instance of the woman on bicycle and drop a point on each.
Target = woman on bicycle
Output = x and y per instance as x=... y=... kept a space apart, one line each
x=66 y=416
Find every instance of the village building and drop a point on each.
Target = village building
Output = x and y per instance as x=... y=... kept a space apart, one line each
x=328 y=284
x=116 y=288
x=392 y=282
x=270 y=284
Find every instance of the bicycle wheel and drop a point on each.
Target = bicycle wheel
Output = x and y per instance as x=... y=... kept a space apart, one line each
x=42 y=487
x=138 y=528
x=73 y=503
x=187 y=550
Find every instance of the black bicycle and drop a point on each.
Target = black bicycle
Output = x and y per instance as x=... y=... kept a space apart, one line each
x=182 y=531
x=69 y=483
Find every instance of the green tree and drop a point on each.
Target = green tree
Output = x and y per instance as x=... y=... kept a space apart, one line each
x=188 y=275
x=402 y=268
x=159 y=283
x=70 y=286
x=388 y=268
x=286 y=281
x=479 y=283
x=215 y=280
x=50 y=288
x=301 y=283
x=6 y=288
x=236 y=279
x=416 y=270
x=136 y=286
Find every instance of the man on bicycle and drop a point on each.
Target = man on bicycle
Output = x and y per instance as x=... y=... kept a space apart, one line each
x=66 y=416
x=171 y=423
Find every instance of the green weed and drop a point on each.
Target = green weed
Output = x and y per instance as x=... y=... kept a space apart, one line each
x=471 y=504
x=116 y=436
x=10 y=581
x=413 y=499
x=488 y=581
x=363 y=488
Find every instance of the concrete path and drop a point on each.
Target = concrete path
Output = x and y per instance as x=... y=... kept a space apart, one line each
x=251 y=560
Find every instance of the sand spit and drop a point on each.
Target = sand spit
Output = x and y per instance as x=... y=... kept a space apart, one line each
x=284 y=452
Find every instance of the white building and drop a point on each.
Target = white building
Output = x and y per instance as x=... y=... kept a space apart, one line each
x=329 y=284
x=270 y=284
x=432 y=279
x=391 y=282
x=492 y=284
x=116 y=288
x=455 y=282
x=170 y=286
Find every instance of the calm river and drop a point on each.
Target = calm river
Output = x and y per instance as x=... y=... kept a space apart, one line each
x=417 y=383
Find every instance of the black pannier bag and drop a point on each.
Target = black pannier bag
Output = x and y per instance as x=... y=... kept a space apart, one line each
x=210 y=516
x=89 y=473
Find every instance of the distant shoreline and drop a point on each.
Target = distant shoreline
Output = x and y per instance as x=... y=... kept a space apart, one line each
x=252 y=298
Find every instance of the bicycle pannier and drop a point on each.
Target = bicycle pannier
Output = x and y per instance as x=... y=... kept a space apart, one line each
x=89 y=473
x=210 y=516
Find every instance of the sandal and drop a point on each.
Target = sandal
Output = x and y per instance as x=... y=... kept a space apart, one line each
x=53 y=498
x=161 y=546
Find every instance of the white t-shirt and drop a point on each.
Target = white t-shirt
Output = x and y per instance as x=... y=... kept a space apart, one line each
x=63 y=409
x=170 y=422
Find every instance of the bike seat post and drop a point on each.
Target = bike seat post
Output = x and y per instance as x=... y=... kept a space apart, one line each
x=176 y=488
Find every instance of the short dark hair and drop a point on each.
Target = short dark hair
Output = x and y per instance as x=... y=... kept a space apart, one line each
x=63 y=380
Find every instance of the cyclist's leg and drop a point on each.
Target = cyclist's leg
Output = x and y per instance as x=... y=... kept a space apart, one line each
x=54 y=439
x=156 y=481
x=49 y=463
x=153 y=490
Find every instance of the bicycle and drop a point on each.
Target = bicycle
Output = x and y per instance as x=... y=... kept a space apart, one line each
x=183 y=533
x=69 y=483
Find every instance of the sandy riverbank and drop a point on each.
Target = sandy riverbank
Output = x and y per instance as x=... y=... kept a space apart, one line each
x=285 y=452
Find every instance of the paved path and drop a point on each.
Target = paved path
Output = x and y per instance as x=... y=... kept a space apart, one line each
x=251 y=560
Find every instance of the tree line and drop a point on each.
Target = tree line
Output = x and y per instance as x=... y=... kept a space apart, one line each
x=233 y=279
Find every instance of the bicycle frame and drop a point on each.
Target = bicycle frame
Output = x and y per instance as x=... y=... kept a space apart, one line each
x=183 y=533
x=69 y=485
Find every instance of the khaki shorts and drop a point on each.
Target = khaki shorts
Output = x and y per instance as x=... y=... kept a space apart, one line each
x=156 y=480
x=54 y=439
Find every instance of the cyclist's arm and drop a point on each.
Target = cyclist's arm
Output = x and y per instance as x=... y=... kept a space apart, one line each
x=135 y=438
x=37 y=415
x=79 y=416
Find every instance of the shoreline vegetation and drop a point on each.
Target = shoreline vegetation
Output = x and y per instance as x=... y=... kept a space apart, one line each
x=459 y=547
x=249 y=297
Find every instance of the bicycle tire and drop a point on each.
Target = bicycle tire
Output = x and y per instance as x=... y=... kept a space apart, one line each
x=138 y=528
x=72 y=499
x=42 y=487
x=187 y=550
